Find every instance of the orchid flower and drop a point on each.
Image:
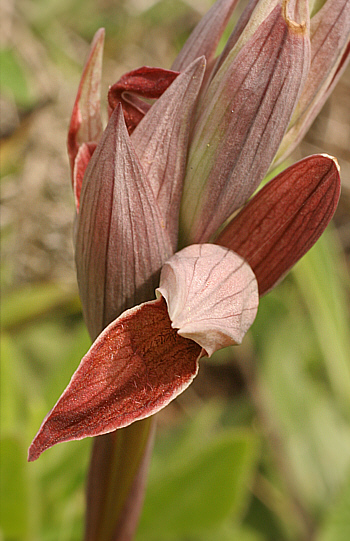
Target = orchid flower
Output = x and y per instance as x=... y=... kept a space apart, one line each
x=168 y=270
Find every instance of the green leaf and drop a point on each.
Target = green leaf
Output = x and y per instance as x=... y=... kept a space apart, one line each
x=231 y=532
x=28 y=302
x=13 y=81
x=12 y=390
x=183 y=444
x=202 y=493
x=337 y=523
x=324 y=282
x=315 y=6
x=14 y=497
x=315 y=434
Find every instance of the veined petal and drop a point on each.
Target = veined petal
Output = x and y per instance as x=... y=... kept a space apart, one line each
x=284 y=219
x=242 y=124
x=146 y=82
x=81 y=162
x=86 y=124
x=136 y=367
x=161 y=141
x=243 y=21
x=206 y=36
x=121 y=241
x=212 y=295
x=252 y=17
x=329 y=34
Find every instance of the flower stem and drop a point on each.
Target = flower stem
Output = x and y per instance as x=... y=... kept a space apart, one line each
x=116 y=482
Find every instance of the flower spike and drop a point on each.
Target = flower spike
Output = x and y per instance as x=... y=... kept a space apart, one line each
x=169 y=174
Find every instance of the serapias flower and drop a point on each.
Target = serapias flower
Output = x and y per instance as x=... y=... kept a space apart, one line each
x=166 y=177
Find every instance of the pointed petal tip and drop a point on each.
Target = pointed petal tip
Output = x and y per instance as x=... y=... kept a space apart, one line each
x=333 y=159
x=33 y=453
x=136 y=367
x=86 y=124
x=100 y=34
x=97 y=43
x=285 y=218
x=297 y=27
x=36 y=449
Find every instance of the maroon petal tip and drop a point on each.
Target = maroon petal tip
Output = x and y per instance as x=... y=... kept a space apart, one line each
x=284 y=219
x=86 y=125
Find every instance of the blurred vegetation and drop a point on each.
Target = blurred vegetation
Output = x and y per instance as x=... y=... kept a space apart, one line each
x=258 y=449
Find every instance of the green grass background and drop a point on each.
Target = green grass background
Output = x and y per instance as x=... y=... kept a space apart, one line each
x=258 y=449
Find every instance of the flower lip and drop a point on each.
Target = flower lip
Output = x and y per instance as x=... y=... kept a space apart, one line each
x=211 y=294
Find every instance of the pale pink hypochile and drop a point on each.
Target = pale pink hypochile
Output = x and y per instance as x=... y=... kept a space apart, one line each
x=211 y=294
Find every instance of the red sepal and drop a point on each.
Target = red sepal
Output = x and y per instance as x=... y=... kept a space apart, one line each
x=137 y=365
x=284 y=219
x=146 y=82
x=85 y=124
x=81 y=162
